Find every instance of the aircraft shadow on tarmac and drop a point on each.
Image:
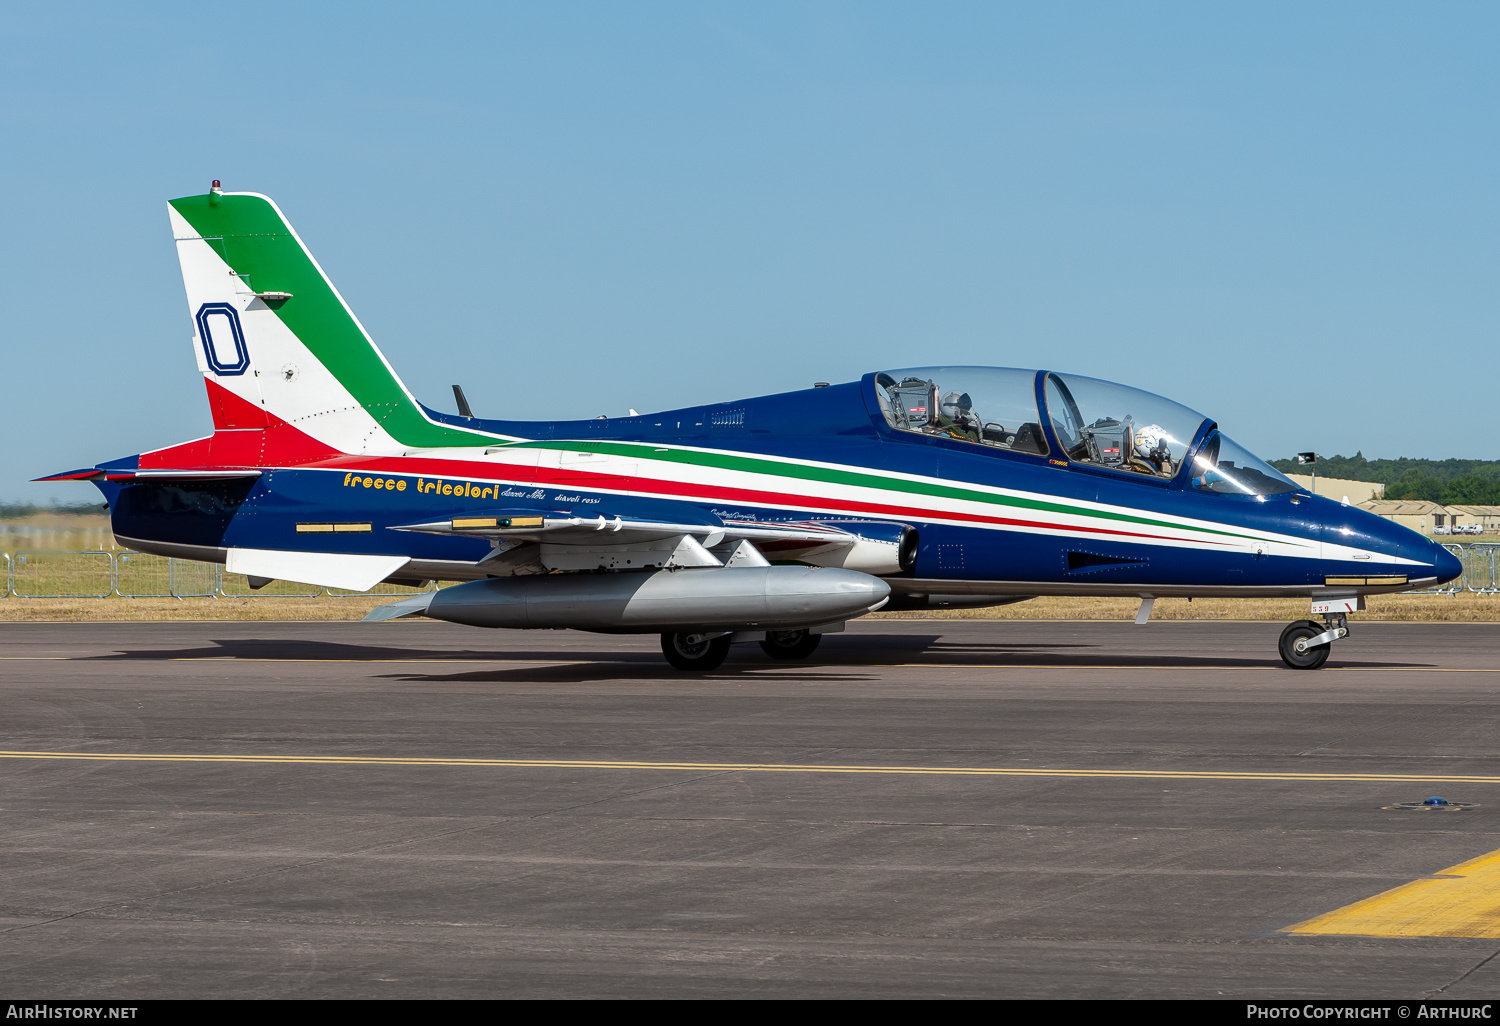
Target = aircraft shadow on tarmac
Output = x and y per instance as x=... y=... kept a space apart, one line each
x=854 y=651
x=876 y=649
x=593 y=672
x=333 y=651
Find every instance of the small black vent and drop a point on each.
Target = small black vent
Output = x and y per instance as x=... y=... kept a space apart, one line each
x=1085 y=562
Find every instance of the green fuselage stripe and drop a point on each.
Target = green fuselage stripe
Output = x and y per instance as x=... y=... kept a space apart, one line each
x=758 y=465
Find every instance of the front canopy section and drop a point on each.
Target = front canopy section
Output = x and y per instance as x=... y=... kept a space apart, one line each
x=1228 y=468
x=1119 y=427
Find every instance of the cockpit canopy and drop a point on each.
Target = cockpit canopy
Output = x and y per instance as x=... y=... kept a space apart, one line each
x=993 y=406
x=1099 y=423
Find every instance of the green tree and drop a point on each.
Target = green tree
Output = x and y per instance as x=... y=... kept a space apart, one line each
x=1472 y=490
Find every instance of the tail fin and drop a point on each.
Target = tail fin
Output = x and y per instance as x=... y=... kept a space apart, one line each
x=273 y=336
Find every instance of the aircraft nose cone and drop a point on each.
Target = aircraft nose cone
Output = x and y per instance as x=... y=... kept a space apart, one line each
x=1446 y=564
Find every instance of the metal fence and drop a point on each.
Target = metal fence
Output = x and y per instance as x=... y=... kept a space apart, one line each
x=1454 y=586
x=47 y=573
x=143 y=575
x=1482 y=568
x=238 y=586
x=44 y=573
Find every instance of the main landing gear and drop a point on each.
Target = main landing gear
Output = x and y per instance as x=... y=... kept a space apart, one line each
x=1305 y=644
x=705 y=651
x=701 y=652
x=790 y=644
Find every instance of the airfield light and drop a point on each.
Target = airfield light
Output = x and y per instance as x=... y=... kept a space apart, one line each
x=1310 y=459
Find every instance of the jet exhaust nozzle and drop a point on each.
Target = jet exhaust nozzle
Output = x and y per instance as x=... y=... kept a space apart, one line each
x=728 y=598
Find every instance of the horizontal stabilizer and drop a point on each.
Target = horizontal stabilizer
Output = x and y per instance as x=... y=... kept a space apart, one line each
x=89 y=474
x=99 y=474
x=327 y=569
x=183 y=475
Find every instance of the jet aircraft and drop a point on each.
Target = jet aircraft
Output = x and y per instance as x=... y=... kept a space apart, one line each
x=773 y=519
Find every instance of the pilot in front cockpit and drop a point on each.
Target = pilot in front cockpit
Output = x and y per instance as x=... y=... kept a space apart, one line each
x=1127 y=446
x=1151 y=448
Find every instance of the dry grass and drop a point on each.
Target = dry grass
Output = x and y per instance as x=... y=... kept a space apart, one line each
x=84 y=610
x=1460 y=608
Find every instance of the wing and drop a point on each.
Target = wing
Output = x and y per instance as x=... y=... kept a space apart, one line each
x=528 y=541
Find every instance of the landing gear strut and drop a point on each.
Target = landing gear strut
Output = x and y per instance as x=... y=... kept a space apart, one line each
x=701 y=652
x=1305 y=644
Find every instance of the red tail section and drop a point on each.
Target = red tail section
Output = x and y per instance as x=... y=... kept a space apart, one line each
x=244 y=436
x=232 y=412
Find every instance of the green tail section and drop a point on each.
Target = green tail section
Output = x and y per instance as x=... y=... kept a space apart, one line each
x=252 y=236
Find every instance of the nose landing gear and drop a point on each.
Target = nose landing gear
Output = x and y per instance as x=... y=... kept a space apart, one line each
x=1305 y=644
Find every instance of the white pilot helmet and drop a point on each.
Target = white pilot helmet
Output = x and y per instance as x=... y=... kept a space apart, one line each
x=956 y=403
x=1148 y=437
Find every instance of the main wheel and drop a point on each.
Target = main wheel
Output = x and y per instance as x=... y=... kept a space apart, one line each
x=1308 y=659
x=790 y=644
x=695 y=651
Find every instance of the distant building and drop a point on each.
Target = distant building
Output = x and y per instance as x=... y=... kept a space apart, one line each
x=1433 y=517
x=1487 y=517
x=1417 y=514
x=1337 y=488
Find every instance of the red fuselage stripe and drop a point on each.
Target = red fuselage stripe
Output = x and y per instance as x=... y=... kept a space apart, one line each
x=591 y=481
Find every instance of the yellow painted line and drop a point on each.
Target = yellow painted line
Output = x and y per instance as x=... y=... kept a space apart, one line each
x=759 y=767
x=1136 y=666
x=1463 y=901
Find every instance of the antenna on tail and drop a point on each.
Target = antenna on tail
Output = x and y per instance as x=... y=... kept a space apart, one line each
x=463 y=404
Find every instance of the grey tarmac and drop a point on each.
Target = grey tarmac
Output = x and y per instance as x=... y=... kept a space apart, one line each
x=416 y=809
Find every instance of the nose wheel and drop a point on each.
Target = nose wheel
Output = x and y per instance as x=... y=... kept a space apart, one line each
x=1305 y=644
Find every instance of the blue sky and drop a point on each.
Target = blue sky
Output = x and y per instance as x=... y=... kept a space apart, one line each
x=1284 y=215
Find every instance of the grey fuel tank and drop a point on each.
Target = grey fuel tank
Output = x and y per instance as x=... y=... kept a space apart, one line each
x=723 y=598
